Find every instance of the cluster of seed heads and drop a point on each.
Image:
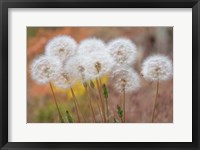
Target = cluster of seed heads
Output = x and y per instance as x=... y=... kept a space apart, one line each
x=65 y=62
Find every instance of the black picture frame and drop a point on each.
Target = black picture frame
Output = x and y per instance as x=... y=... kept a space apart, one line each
x=4 y=63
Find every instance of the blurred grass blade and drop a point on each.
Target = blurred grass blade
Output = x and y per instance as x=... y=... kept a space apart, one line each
x=69 y=117
x=120 y=112
x=115 y=120
x=85 y=84
x=105 y=93
x=92 y=84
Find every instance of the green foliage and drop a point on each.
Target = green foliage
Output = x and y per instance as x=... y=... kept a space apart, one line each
x=47 y=111
x=69 y=117
x=45 y=116
x=61 y=119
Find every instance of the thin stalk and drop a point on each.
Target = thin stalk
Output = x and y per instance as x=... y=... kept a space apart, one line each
x=107 y=111
x=76 y=107
x=101 y=115
x=80 y=111
x=105 y=93
x=120 y=113
x=97 y=101
x=75 y=100
x=100 y=96
x=55 y=100
x=101 y=86
x=155 y=102
x=100 y=82
x=90 y=103
x=121 y=118
x=124 y=106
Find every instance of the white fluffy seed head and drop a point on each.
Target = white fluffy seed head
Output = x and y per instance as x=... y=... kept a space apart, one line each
x=77 y=66
x=62 y=82
x=125 y=79
x=45 y=69
x=123 y=51
x=157 y=68
x=62 y=47
x=100 y=63
x=91 y=45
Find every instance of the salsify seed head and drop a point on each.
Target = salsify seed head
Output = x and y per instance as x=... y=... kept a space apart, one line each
x=62 y=81
x=157 y=68
x=125 y=79
x=77 y=66
x=45 y=69
x=91 y=45
x=100 y=63
x=123 y=51
x=61 y=46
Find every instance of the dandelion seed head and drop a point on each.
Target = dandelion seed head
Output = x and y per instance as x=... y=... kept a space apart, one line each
x=62 y=47
x=123 y=51
x=77 y=66
x=45 y=69
x=91 y=45
x=125 y=79
x=100 y=63
x=62 y=82
x=157 y=68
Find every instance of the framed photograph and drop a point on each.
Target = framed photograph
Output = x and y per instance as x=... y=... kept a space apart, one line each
x=113 y=75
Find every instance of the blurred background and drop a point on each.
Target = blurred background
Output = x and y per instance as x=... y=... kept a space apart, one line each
x=139 y=105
